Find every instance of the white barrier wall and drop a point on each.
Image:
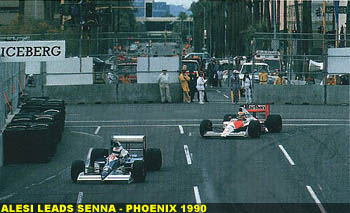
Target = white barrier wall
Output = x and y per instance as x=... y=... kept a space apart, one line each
x=157 y=64
x=67 y=72
x=338 y=60
x=32 y=67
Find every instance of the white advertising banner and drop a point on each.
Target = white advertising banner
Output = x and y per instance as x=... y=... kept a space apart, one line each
x=24 y=51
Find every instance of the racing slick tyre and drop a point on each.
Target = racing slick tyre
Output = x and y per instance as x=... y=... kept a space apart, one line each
x=254 y=129
x=153 y=159
x=138 y=171
x=78 y=166
x=273 y=123
x=228 y=117
x=205 y=126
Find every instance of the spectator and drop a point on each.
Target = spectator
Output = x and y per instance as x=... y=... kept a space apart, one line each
x=192 y=84
x=205 y=83
x=215 y=74
x=163 y=81
x=211 y=72
x=184 y=79
x=247 y=84
x=200 y=87
x=263 y=77
x=110 y=77
x=279 y=80
x=220 y=74
x=235 y=85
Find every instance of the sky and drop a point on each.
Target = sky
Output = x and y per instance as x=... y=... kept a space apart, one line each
x=185 y=3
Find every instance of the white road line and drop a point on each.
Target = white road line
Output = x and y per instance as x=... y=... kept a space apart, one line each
x=191 y=120
x=196 y=195
x=218 y=91
x=7 y=196
x=97 y=130
x=286 y=155
x=84 y=133
x=174 y=125
x=181 y=130
x=187 y=153
x=317 y=201
x=225 y=96
x=80 y=198
x=47 y=179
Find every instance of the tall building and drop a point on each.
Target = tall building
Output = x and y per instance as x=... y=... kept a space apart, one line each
x=10 y=10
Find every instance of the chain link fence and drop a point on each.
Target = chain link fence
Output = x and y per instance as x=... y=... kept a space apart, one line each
x=302 y=57
x=12 y=83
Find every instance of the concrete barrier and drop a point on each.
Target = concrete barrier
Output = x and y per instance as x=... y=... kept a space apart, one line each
x=338 y=94
x=146 y=93
x=288 y=94
x=83 y=94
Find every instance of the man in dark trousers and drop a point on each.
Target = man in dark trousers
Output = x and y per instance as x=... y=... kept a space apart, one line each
x=192 y=84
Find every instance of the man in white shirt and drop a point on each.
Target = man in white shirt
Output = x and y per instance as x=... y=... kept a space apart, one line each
x=163 y=81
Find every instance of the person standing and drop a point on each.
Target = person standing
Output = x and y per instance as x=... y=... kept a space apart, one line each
x=235 y=84
x=163 y=81
x=279 y=80
x=247 y=84
x=263 y=77
x=184 y=79
x=192 y=84
x=200 y=87
x=220 y=74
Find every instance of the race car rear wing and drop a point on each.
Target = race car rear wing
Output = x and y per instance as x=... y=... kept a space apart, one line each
x=132 y=143
x=254 y=108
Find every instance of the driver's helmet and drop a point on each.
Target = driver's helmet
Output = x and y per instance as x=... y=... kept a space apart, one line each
x=117 y=148
x=240 y=114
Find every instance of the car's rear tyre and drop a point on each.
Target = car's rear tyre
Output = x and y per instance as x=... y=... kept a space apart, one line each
x=273 y=123
x=138 y=171
x=205 y=126
x=254 y=129
x=153 y=159
x=78 y=166
x=228 y=117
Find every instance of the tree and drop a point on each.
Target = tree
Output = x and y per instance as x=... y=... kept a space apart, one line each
x=307 y=27
x=182 y=17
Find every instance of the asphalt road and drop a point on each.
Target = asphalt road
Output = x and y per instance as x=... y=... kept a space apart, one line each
x=307 y=162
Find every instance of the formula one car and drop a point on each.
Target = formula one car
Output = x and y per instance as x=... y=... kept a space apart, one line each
x=244 y=124
x=98 y=166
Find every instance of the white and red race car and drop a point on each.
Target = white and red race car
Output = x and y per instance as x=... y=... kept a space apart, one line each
x=244 y=123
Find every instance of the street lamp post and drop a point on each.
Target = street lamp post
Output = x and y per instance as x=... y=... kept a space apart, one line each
x=205 y=29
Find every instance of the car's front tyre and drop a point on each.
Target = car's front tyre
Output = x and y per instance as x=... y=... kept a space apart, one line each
x=205 y=126
x=77 y=167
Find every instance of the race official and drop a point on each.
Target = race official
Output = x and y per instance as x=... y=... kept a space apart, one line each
x=235 y=84
x=200 y=87
x=163 y=81
x=192 y=84
x=184 y=79
x=247 y=84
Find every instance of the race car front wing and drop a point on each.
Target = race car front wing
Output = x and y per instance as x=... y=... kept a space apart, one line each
x=87 y=177
x=220 y=134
